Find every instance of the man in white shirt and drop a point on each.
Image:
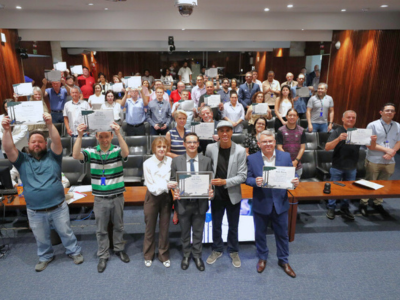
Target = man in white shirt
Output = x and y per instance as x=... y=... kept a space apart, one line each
x=149 y=78
x=255 y=80
x=185 y=74
x=198 y=90
x=153 y=96
x=271 y=89
x=73 y=112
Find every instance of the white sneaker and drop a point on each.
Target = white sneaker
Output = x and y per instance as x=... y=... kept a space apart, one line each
x=148 y=263
x=167 y=263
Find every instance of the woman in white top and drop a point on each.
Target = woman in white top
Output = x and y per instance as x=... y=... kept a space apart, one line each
x=167 y=79
x=234 y=113
x=157 y=202
x=97 y=99
x=105 y=86
x=282 y=105
x=111 y=104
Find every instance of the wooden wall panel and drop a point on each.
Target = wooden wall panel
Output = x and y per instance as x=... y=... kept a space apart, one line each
x=10 y=65
x=364 y=73
x=34 y=68
x=43 y=48
x=314 y=48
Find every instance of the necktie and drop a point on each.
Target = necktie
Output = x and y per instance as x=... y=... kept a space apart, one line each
x=192 y=165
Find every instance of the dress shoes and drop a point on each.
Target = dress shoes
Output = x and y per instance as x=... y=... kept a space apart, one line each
x=123 y=256
x=185 y=263
x=102 y=265
x=288 y=270
x=261 y=265
x=199 y=264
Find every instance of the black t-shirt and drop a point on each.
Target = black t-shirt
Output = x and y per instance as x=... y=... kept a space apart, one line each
x=345 y=157
x=222 y=172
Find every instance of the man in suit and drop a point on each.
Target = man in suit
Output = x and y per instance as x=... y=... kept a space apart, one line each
x=230 y=170
x=269 y=204
x=191 y=212
x=247 y=90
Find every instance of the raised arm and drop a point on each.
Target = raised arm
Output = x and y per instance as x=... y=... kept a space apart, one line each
x=122 y=143
x=56 y=145
x=43 y=88
x=8 y=143
x=76 y=151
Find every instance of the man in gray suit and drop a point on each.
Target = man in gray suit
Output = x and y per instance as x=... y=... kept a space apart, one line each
x=230 y=170
x=191 y=212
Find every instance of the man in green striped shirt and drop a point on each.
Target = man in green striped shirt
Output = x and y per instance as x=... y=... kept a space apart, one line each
x=107 y=186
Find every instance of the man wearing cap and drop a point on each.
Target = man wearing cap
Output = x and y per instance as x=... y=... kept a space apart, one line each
x=230 y=170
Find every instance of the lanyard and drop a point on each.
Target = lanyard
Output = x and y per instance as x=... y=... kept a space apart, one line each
x=102 y=161
x=386 y=131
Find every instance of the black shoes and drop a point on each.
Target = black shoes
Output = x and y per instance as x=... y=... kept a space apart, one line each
x=347 y=214
x=363 y=210
x=330 y=214
x=102 y=265
x=185 y=263
x=123 y=256
x=381 y=210
x=199 y=264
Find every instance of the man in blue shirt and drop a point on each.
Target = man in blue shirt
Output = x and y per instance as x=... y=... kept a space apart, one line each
x=40 y=172
x=135 y=114
x=159 y=114
x=57 y=98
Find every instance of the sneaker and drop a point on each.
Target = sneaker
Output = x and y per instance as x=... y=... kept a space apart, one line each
x=167 y=263
x=330 y=214
x=213 y=257
x=148 y=263
x=235 y=259
x=41 y=265
x=78 y=259
x=347 y=214
x=363 y=210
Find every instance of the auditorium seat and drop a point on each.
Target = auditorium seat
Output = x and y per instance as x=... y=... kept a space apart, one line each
x=304 y=123
x=311 y=141
x=137 y=144
x=147 y=128
x=59 y=127
x=133 y=169
x=238 y=138
x=271 y=124
x=88 y=142
x=74 y=170
x=152 y=138
x=4 y=162
x=308 y=161
x=322 y=139
x=361 y=171
x=273 y=113
x=66 y=144
x=324 y=163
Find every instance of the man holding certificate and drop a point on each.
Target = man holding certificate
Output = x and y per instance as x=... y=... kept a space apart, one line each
x=230 y=170
x=107 y=187
x=344 y=160
x=270 y=204
x=191 y=211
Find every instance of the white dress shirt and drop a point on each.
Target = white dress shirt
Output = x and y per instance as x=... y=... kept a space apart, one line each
x=157 y=174
x=269 y=162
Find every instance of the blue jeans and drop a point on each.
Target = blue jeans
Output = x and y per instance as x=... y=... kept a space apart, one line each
x=57 y=117
x=320 y=127
x=42 y=222
x=339 y=175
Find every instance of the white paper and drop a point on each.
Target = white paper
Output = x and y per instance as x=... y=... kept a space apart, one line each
x=359 y=137
x=75 y=196
x=80 y=188
x=186 y=105
x=26 y=113
x=99 y=120
x=60 y=66
x=212 y=72
x=303 y=92
x=369 y=184
x=77 y=70
x=117 y=87
x=213 y=100
x=23 y=89
x=97 y=102
x=260 y=109
x=133 y=81
x=204 y=131
x=279 y=178
x=196 y=185
x=52 y=75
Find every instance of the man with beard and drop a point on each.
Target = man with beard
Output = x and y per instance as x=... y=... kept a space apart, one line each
x=40 y=172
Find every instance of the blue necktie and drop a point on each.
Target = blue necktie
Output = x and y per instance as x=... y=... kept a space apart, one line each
x=192 y=165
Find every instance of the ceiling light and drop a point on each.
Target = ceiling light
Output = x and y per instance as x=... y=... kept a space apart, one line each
x=219 y=51
x=90 y=4
x=183 y=28
x=106 y=8
x=18 y=7
x=266 y=9
x=343 y=9
x=290 y=6
x=302 y=29
x=384 y=5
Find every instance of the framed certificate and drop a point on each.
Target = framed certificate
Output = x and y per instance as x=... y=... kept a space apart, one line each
x=194 y=184
x=278 y=177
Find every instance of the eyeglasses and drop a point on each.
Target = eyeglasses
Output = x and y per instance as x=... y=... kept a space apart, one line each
x=191 y=143
x=267 y=142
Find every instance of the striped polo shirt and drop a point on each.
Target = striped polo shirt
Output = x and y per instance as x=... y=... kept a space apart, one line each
x=177 y=142
x=108 y=163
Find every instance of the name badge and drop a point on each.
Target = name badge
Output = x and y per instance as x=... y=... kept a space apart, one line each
x=272 y=95
x=159 y=111
x=321 y=114
x=387 y=144
x=103 y=181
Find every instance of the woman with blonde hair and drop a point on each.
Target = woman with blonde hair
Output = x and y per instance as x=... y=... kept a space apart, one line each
x=257 y=98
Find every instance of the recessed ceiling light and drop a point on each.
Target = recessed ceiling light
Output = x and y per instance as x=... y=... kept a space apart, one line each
x=302 y=29
x=290 y=6
x=384 y=5
x=90 y=4
x=343 y=9
x=18 y=7
x=106 y=8
x=183 y=28
x=219 y=51
x=266 y=9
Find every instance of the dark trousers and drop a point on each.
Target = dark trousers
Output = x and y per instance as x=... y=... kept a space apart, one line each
x=280 y=228
x=155 y=206
x=278 y=123
x=192 y=219
x=218 y=208
x=159 y=131
x=135 y=130
x=57 y=117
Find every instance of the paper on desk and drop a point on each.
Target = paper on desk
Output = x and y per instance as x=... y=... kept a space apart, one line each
x=369 y=184
x=60 y=66
x=76 y=197
x=80 y=188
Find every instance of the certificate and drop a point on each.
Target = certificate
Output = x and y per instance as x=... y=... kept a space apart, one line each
x=212 y=72
x=77 y=70
x=117 y=87
x=212 y=100
x=303 y=92
x=260 y=108
x=194 y=184
x=369 y=184
x=60 y=66
x=359 y=137
x=23 y=89
x=186 y=105
x=26 y=112
x=52 y=75
x=133 y=81
x=204 y=131
x=98 y=120
x=278 y=177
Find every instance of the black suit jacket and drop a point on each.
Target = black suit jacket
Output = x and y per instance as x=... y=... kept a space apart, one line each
x=179 y=164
